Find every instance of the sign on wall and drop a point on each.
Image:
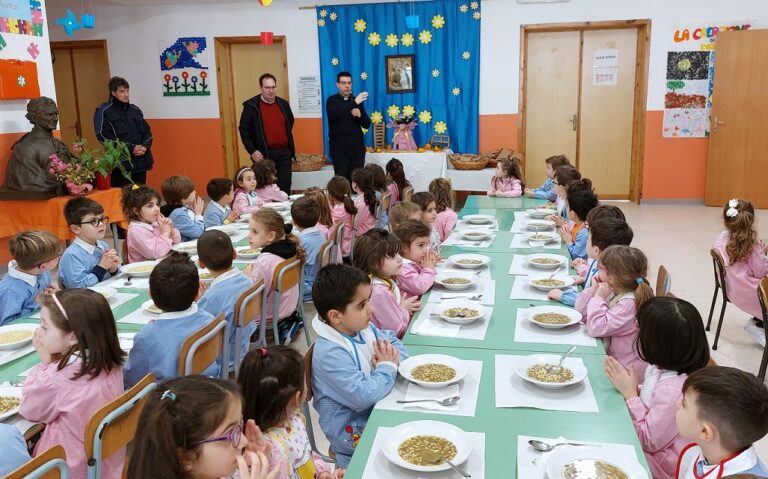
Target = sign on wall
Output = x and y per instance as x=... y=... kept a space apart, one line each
x=184 y=66
x=21 y=17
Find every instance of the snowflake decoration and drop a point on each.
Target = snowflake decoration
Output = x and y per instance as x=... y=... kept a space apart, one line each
x=21 y=81
x=393 y=111
x=364 y=76
x=441 y=127
x=476 y=15
x=321 y=23
x=466 y=55
x=406 y=39
x=456 y=91
x=463 y=8
x=425 y=116
x=323 y=13
x=438 y=21
x=334 y=61
x=392 y=40
x=360 y=25
x=409 y=111
x=374 y=39
x=376 y=117
x=474 y=5
x=334 y=16
x=425 y=36
x=435 y=73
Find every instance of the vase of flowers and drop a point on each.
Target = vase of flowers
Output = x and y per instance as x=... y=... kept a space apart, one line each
x=74 y=173
x=402 y=138
x=110 y=155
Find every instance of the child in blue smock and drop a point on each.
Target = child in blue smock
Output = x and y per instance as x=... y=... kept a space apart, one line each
x=183 y=206
x=305 y=213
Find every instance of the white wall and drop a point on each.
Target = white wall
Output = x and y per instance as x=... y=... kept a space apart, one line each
x=132 y=34
x=12 y=111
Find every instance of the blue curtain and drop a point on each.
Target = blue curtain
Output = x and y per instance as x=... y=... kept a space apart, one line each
x=446 y=45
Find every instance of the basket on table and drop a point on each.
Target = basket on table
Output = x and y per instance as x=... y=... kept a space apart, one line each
x=468 y=161
x=306 y=162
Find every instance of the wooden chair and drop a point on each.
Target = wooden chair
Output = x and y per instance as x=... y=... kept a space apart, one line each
x=383 y=209
x=305 y=406
x=762 y=296
x=287 y=275
x=407 y=193
x=663 y=282
x=209 y=343
x=113 y=425
x=353 y=237
x=324 y=254
x=719 y=266
x=337 y=233
x=124 y=249
x=51 y=464
x=248 y=307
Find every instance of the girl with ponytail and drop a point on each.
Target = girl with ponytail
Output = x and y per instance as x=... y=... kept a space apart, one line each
x=397 y=181
x=343 y=209
x=362 y=183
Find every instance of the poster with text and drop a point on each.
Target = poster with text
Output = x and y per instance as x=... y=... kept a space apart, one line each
x=184 y=66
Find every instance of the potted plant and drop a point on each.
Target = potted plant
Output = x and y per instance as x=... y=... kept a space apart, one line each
x=112 y=154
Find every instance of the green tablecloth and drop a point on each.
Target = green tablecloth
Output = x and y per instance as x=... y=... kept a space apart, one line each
x=494 y=202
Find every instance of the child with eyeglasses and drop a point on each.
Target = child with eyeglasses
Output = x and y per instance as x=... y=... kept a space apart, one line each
x=35 y=254
x=88 y=260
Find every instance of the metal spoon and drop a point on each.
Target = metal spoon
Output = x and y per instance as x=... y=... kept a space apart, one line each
x=435 y=458
x=443 y=402
x=559 y=367
x=464 y=296
x=544 y=447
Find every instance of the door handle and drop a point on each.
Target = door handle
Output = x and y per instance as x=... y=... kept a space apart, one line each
x=574 y=121
x=716 y=122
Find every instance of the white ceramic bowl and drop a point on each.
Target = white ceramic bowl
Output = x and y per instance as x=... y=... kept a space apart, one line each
x=478 y=219
x=278 y=205
x=471 y=277
x=476 y=234
x=457 y=258
x=407 y=366
x=407 y=430
x=540 y=212
x=565 y=455
x=541 y=236
x=561 y=260
x=133 y=268
x=576 y=366
x=249 y=255
x=20 y=343
x=205 y=276
x=104 y=291
x=189 y=247
x=245 y=218
x=148 y=306
x=539 y=225
x=226 y=229
x=461 y=303
x=12 y=391
x=567 y=281
x=126 y=341
x=573 y=316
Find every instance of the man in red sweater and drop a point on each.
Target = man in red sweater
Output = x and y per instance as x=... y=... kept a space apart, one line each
x=266 y=130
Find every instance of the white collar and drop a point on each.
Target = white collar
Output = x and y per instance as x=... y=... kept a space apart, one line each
x=14 y=272
x=407 y=261
x=216 y=205
x=743 y=462
x=148 y=226
x=325 y=331
x=179 y=314
x=225 y=276
x=392 y=286
x=653 y=376
x=89 y=248
x=308 y=230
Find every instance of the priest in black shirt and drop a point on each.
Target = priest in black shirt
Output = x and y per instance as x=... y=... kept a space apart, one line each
x=346 y=119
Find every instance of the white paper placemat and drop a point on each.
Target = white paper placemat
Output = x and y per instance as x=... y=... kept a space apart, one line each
x=532 y=463
x=527 y=332
x=468 y=388
x=521 y=242
x=513 y=391
x=379 y=467
x=455 y=239
x=487 y=288
x=520 y=266
x=119 y=282
x=138 y=317
x=465 y=225
x=446 y=267
x=241 y=234
x=521 y=215
x=522 y=290
x=120 y=298
x=7 y=356
x=428 y=325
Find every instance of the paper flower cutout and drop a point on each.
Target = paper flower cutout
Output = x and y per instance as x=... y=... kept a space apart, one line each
x=476 y=15
x=21 y=81
x=364 y=76
x=441 y=127
x=321 y=23
x=425 y=36
x=456 y=91
x=392 y=40
x=360 y=25
x=425 y=116
x=334 y=16
x=323 y=13
x=406 y=39
x=466 y=55
x=376 y=117
x=408 y=110
x=334 y=61
x=463 y=8
x=474 y=5
x=393 y=111
x=438 y=21
x=435 y=73
x=374 y=39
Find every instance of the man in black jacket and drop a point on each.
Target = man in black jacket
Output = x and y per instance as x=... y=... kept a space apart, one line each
x=118 y=119
x=346 y=119
x=266 y=130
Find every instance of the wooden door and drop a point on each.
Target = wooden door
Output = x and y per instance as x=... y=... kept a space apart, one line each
x=66 y=99
x=551 y=102
x=737 y=160
x=606 y=113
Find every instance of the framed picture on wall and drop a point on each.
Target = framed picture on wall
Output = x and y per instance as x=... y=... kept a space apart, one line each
x=401 y=73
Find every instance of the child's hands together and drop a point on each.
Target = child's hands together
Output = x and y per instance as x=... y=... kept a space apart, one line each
x=233 y=217
x=165 y=224
x=603 y=290
x=410 y=303
x=577 y=280
x=578 y=262
x=37 y=343
x=199 y=206
x=624 y=381
x=259 y=466
x=555 y=294
x=529 y=192
x=430 y=259
x=384 y=351
x=565 y=235
x=336 y=474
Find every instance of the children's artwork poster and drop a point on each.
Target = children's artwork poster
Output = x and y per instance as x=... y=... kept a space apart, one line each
x=689 y=79
x=184 y=67
x=21 y=17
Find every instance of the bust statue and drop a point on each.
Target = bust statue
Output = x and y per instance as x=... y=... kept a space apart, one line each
x=26 y=176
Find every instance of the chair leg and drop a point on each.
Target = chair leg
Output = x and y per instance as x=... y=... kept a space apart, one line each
x=712 y=308
x=763 y=364
x=719 y=324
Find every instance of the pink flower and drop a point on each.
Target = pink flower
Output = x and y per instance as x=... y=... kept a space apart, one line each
x=54 y=157
x=50 y=170
x=95 y=162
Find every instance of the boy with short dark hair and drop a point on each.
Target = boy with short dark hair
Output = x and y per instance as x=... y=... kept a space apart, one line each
x=724 y=411
x=88 y=260
x=216 y=253
x=217 y=213
x=547 y=189
x=580 y=203
x=35 y=254
x=305 y=213
x=183 y=206
x=173 y=287
x=354 y=365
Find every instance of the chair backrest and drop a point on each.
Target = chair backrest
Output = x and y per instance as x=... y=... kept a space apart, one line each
x=204 y=346
x=663 y=282
x=353 y=237
x=124 y=249
x=407 y=193
x=286 y=274
x=762 y=296
x=113 y=425
x=719 y=266
x=308 y=372
x=248 y=308
x=324 y=254
x=51 y=464
x=337 y=233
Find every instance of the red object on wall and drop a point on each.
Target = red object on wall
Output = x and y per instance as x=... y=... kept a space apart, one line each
x=267 y=38
x=18 y=79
